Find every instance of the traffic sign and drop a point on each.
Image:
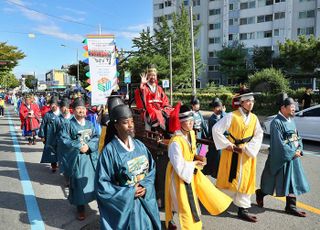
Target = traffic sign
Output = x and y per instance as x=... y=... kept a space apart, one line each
x=165 y=84
x=127 y=77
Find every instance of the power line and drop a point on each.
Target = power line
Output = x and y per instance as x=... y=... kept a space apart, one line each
x=51 y=15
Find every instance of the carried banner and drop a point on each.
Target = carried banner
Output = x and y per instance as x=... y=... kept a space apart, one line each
x=103 y=67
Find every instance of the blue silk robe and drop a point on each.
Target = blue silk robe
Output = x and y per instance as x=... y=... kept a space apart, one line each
x=118 y=171
x=80 y=167
x=213 y=155
x=283 y=174
x=49 y=129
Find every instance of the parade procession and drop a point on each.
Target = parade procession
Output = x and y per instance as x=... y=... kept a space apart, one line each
x=153 y=136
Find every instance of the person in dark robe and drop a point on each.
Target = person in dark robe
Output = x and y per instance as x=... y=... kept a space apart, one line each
x=30 y=119
x=65 y=116
x=306 y=98
x=283 y=174
x=213 y=155
x=49 y=130
x=79 y=141
x=125 y=178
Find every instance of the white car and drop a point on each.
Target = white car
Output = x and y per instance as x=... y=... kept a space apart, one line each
x=307 y=122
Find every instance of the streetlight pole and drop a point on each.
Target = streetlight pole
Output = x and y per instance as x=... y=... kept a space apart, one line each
x=194 y=85
x=78 y=68
x=170 y=61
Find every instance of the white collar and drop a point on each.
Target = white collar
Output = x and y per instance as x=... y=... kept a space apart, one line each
x=178 y=132
x=131 y=144
x=57 y=112
x=82 y=122
x=153 y=88
x=288 y=119
x=68 y=115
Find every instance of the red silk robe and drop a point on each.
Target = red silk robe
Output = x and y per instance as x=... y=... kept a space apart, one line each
x=45 y=109
x=30 y=123
x=155 y=105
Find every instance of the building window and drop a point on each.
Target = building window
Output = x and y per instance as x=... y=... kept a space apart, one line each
x=243 y=5
x=247 y=36
x=157 y=19
x=196 y=2
x=305 y=31
x=264 y=18
x=196 y=17
x=307 y=14
x=168 y=16
x=245 y=21
x=268 y=34
x=260 y=34
x=276 y=32
x=306 y=0
x=212 y=54
x=161 y=6
x=231 y=22
x=279 y=15
x=213 y=68
x=214 y=26
x=215 y=11
x=230 y=7
x=186 y=2
x=214 y=40
x=269 y=2
x=252 y=4
x=167 y=3
x=278 y=1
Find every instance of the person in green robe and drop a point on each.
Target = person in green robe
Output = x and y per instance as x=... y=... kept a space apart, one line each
x=283 y=174
x=80 y=143
x=125 y=177
x=49 y=129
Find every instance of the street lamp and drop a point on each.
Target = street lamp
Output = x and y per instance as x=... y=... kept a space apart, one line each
x=78 y=64
x=170 y=65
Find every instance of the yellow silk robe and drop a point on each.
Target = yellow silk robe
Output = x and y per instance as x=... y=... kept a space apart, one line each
x=246 y=165
x=212 y=199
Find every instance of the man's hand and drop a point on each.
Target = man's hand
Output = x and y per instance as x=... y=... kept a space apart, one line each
x=140 y=191
x=199 y=163
x=297 y=154
x=43 y=140
x=230 y=147
x=84 y=148
x=238 y=149
x=144 y=79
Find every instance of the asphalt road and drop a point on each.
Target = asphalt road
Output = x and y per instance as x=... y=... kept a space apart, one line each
x=31 y=197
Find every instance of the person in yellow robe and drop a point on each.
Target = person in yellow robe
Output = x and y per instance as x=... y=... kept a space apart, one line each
x=185 y=183
x=237 y=168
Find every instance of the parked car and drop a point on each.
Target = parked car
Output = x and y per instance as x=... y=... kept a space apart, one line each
x=307 y=122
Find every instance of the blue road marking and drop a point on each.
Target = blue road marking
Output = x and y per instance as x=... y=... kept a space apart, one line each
x=33 y=211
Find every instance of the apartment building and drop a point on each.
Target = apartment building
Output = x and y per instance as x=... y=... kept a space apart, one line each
x=253 y=22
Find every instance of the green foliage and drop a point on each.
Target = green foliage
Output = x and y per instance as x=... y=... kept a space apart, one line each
x=302 y=55
x=268 y=80
x=262 y=57
x=10 y=55
x=30 y=81
x=232 y=60
x=8 y=80
x=155 y=50
x=82 y=73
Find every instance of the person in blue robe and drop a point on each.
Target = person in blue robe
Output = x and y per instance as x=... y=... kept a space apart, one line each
x=283 y=174
x=213 y=155
x=65 y=116
x=200 y=125
x=125 y=178
x=79 y=141
x=48 y=132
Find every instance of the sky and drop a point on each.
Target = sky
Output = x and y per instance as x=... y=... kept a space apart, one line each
x=66 y=22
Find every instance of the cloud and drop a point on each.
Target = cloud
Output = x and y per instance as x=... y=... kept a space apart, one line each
x=79 y=12
x=126 y=34
x=76 y=19
x=30 y=14
x=140 y=27
x=55 y=31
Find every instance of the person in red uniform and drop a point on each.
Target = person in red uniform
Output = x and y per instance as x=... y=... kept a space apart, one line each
x=153 y=101
x=46 y=107
x=30 y=119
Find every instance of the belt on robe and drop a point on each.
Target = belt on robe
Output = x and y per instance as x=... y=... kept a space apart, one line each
x=234 y=159
x=192 y=204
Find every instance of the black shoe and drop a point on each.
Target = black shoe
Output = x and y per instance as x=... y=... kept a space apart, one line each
x=243 y=214
x=291 y=207
x=259 y=198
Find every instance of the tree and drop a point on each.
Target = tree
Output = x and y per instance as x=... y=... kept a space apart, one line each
x=269 y=80
x=73 y=71
x=155 y=50
x=300 y=56
x=30 y=81
x=8 y=80
x=262 y=57
x=233 y=63
x=9 y=55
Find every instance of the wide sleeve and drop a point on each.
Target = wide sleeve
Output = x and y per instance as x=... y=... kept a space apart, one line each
x=252 y=148
x=115 y=200
x=281 y=151
x=43 y=127
x=67 y=138
x=183 y=168
x=204 y=127
x=218 y=131
x=94 y=140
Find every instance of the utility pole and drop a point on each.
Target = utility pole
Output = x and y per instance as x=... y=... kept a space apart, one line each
x=170 y=60
x=194 y=84
x=78 y=69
